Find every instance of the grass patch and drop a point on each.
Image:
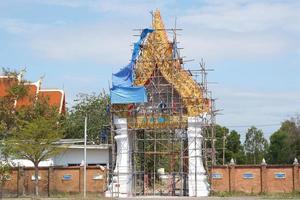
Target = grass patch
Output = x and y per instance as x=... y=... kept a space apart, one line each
x=290 y=195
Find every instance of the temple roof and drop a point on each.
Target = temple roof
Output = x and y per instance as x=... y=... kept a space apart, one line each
x=55 y=97
x=157 y=52
x=5 y=83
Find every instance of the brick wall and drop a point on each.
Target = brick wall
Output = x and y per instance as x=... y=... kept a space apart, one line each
x=55 y=180
x=232 y=178
x=256 y=178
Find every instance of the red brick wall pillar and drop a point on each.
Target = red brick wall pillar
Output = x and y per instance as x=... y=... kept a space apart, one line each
x=81 y=178
x=296 y=183
x=231 y=176
x=21 y=181
x=264 y=176
x=51 y=184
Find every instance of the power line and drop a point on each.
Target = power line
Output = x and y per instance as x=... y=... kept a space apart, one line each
x=245 y=126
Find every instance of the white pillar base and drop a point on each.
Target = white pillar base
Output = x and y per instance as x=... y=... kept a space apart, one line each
x=198 y=184
x=121 y=184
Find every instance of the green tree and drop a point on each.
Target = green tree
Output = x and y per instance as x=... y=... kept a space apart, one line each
x=292 y=127
x=28 y=132
x=234 y=148
x=94 y=106
x=8 y=118
x=39 y=128
x=5 y=171
x=255 y=145
x=221 y=133
x=285 y=142
x=279 y=149
x=8 y=113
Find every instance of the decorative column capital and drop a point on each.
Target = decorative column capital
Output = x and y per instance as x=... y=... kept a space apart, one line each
x=263 y=162
x=231 y=163
x=295 y=162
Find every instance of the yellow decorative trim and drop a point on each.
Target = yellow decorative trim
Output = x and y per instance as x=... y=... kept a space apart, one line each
x=157 y=52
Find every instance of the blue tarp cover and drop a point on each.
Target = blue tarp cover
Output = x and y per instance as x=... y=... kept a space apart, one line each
x=123 y=77
x=124 y=95
x=123 y=90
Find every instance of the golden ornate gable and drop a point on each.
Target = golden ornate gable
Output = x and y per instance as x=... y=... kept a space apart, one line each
x=157 y=52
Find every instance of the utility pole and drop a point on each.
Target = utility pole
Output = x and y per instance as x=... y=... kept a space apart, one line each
x=224 y=140
x=84 y=169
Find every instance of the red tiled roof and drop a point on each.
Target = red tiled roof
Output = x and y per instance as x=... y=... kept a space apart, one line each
x=55 y=97
x=5 y=83
x=32 y=90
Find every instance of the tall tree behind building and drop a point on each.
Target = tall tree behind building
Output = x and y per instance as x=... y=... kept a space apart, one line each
x=221 y=135
x=234 y=148
x=229 y=145
x=285 y=143
x=95 y=107
x=255 y=145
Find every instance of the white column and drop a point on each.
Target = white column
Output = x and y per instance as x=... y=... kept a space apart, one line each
x=198 y=185
x=122 y=181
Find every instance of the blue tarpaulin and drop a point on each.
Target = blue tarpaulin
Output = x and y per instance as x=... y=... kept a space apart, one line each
x=137 y=45
x=123 y=77
x=123 y=90
x=124 y=95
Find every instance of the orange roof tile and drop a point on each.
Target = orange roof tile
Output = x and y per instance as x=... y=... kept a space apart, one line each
x=5 y=83
x=54 y=97
x=32 y=90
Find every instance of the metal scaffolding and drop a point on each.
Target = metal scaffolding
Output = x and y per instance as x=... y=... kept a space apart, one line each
x=157 y=130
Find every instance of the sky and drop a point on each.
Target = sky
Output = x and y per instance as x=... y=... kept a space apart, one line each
x=252 y=45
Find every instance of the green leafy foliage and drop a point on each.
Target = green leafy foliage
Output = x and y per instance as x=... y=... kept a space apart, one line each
x=220 y=133
x=93 y=106
x=255 y=145
x=231 y=145
x=285 y=143
x=279 y=150
x=35 y=139
x=28 y=132
x=39 y=126
x=234 y=148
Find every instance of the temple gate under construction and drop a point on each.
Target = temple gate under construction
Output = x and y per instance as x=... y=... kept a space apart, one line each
x=162 y=121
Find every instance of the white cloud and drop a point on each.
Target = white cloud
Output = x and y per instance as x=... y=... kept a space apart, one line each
x=240 y=29
x=247 y=107
x=81 y=79
x=237 y=29
x=93 y=42
x=106 y=42
x=131 y=8
x=67 y=3
x=245 y=16
x=18 y=26
x=212 y=45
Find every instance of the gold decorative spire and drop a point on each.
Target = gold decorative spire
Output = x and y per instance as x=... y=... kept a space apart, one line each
x=157 y=52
